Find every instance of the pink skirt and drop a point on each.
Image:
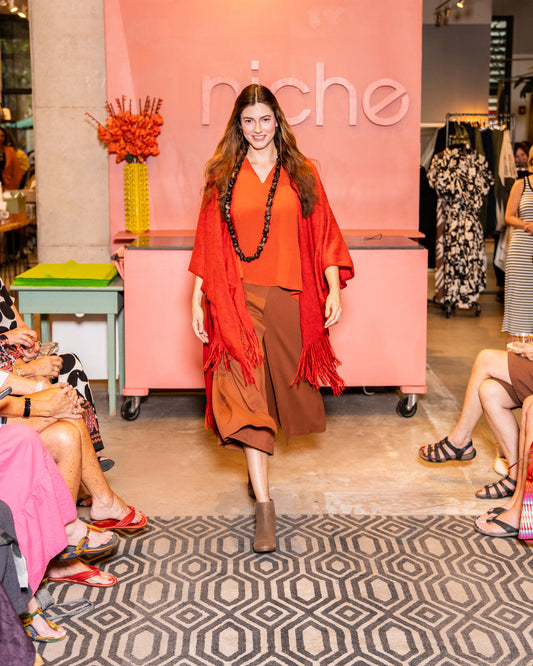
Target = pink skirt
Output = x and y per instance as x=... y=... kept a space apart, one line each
x=34 y=490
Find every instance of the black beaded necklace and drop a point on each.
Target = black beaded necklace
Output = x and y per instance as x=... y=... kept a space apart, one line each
x=227 y=209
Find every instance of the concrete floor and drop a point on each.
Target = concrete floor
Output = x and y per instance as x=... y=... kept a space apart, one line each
x=366 y=462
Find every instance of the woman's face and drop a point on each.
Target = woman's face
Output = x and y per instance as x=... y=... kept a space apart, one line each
x=258 y=125
x=520 y=158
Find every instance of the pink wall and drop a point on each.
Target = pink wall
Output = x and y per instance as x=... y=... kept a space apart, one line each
x=368 y=151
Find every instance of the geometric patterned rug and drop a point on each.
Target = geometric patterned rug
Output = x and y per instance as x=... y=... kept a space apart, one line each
x=339 y=591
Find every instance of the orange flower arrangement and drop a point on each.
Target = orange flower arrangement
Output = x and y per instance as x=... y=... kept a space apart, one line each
x=132 y=136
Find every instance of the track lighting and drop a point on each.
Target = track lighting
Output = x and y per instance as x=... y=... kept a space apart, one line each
x=19 y=7
x=444 y=11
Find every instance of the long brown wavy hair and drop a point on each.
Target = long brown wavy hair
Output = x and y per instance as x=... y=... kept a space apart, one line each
x=220 y=167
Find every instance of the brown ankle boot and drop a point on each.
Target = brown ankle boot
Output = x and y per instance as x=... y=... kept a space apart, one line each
x=265 y=527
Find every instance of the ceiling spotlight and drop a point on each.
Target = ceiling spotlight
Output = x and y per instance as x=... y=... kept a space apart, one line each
x=438 y=19
x=461 y=4
x=447 y=11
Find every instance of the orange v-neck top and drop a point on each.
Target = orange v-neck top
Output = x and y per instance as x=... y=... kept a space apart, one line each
x=279 y=263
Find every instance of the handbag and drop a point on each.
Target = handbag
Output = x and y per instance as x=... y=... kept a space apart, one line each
x=500 y=255
x=47 y=349
x=525 y=531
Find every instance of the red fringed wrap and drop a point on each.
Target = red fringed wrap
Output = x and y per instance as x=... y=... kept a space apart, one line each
x=228 y=323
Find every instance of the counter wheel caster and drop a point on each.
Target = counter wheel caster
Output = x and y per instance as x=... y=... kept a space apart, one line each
x=130 y=409
x=405 y=409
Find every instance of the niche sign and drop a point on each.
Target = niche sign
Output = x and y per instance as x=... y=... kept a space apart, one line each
x=384 y=102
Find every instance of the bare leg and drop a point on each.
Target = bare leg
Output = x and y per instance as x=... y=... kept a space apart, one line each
x=265 y=514
x=64 y=445
x=70 y=445
x=513 y=506
x=257 y=462
x=498 y=406
x=40 y=625
x=489 y=363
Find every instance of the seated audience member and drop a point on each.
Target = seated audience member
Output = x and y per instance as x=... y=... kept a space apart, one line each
x=45 y=525
x=63 y=432
x=10 y=171
x=504 y=521
x=499 y=382
x=24 y=162
x=23 y=350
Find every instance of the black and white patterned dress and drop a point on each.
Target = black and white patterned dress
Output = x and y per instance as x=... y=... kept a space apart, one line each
x=518 y=312
x=72 y=370
x=462 y=179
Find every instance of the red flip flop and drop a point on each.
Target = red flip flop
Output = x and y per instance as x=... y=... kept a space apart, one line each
x=84 y=578
x=124 y=524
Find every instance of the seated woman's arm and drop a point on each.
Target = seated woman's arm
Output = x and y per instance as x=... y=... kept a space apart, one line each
x=58 y=402
x=23 y=385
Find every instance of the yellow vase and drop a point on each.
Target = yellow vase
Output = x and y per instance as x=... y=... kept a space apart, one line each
x=136 y=200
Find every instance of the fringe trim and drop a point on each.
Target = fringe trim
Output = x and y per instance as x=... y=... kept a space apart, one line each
x=318 y=365
x=217 y=353
x=253 y=357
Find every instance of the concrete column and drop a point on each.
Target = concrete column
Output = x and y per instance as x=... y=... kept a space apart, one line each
x=69 y=79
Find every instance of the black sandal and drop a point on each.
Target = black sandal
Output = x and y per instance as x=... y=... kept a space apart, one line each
x=508 y=530
x=501 y=488
x=440 y=452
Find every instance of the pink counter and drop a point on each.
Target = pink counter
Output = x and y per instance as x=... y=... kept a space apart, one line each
x=381 y=339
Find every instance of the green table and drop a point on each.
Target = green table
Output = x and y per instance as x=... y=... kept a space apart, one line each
x=107 y=300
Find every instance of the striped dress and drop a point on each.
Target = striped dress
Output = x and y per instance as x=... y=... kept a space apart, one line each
x=518 y=313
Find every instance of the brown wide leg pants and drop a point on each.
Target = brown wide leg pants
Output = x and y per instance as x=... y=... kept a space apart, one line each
x=249 y=414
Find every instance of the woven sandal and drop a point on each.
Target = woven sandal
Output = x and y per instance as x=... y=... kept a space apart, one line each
x=440 y=452
x=27 y=622
x=83 y=548
x=503 y=488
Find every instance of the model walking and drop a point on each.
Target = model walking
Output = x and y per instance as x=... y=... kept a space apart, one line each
x=270 y=261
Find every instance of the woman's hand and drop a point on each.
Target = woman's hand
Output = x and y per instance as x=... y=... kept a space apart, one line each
x=46 y=366
x=198 y=322
x=21 y=336
x=524 y=349
x=333 y=310
x=60 y=402
x=198 y=316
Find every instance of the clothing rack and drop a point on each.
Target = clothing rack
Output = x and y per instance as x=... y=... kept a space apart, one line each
x=484 y=120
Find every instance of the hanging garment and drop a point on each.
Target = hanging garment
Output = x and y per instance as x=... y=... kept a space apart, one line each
x=461 y=179
x=504 y=178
